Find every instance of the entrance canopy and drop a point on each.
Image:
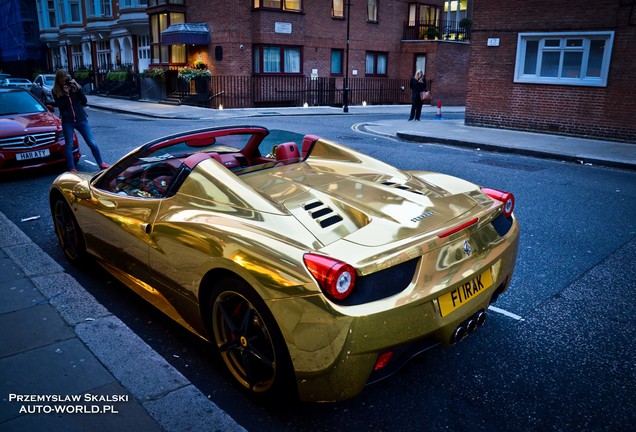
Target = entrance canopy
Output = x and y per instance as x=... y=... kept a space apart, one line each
x=186 y=33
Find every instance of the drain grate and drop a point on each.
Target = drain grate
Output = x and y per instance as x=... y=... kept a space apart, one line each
x=510 y=165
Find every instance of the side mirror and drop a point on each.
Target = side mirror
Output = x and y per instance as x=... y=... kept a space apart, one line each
x=51 y=108
x=82 y=191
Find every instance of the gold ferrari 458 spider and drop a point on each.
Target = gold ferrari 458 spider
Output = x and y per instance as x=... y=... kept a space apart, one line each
x=313 y=268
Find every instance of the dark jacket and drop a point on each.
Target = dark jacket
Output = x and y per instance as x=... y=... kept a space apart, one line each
x=72 y=106
x=417 y=87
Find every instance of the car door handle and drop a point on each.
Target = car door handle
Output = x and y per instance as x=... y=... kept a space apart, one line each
x=146 y=227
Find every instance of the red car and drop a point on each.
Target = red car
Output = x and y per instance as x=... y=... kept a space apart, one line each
x=30 y=134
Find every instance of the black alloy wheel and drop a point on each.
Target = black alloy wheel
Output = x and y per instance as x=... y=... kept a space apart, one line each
x=68 y=231
x=249 y=340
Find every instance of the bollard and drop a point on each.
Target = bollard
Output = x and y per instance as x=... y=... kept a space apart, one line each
x=438 y=114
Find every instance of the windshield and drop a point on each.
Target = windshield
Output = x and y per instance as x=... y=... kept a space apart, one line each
x=49 y=80
x=19 y=102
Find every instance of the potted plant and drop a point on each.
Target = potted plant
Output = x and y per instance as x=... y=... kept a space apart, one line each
x=432 y=33
x=154 y=72
x=188 y=73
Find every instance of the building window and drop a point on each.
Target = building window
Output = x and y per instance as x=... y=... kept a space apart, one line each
x=286 y=5
x=274 y=59
x=143 y=47
x=164 y=54
x=420 y=63
x=78 y=59
x=75 y=11
x=337 y=9
x=106 y=8
x=376 y=63
x=564 y=58
x=423 y=15
x=103 y=55
x=91 y=9
x=372 y=10
x=336 y=61
x=50 y=5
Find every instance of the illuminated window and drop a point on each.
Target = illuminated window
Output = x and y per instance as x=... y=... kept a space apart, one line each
x=337 y=8
x=286 y=5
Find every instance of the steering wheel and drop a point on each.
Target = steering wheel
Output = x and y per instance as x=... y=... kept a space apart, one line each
x=157 y=177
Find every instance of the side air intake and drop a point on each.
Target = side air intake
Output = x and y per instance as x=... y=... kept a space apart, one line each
x=322 y=213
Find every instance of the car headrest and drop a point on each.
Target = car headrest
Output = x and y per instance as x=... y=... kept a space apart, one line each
x=308 y=143
x=288 y=150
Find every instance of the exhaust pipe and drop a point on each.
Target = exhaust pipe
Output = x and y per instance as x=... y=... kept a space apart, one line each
x=481 y=318
x=471 y=324
x=459 y=334
x=468 y=326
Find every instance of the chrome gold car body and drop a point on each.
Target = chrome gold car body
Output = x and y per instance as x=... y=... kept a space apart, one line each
x=230 y=212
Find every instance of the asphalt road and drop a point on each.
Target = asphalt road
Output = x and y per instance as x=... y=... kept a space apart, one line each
x=559 y=354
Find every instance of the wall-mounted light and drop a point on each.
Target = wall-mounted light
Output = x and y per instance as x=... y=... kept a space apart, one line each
x=241 y=47
x=305 y=105
x=364 y=103
x=220 y=106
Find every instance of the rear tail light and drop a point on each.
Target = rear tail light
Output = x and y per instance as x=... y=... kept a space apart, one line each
x=383 y=360
x=336 y=278
x=506 y=198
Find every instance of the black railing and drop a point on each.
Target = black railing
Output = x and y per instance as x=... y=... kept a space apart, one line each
x=254 y=91
x=436 y=30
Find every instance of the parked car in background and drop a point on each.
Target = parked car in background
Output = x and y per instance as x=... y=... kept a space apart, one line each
x=30 y=135
x=17 y=82
x=43 y=87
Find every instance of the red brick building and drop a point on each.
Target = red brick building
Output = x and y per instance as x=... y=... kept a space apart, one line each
x=307 y=38
x=566 y=67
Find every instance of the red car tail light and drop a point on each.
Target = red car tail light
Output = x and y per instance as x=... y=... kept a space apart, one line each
x=383 y=360
x=335 y=278
x=458 y=228
x=505 y=197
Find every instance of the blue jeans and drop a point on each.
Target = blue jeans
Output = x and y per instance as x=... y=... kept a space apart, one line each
x=85 y=131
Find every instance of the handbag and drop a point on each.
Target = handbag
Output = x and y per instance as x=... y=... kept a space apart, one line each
x=425 y=96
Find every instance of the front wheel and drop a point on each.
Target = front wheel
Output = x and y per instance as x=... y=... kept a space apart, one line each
x=249 y=340
x=67 y=229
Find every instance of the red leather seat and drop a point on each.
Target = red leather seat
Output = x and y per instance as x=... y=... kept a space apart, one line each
x=287 y=151
x=308 y=143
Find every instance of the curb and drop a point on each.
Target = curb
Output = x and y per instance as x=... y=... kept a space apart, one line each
x=582 y=160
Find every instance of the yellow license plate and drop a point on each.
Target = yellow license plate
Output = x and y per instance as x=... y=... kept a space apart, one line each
x=464 y=293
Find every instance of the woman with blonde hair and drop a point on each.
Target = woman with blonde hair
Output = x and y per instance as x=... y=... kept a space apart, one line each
x=70 y=100
x=418 y=85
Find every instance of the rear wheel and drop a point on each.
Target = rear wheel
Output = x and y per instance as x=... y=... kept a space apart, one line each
x=249 y=340
x=67 y=229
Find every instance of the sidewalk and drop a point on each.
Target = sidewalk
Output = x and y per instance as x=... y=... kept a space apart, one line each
x=431 y=129
x=68 y=364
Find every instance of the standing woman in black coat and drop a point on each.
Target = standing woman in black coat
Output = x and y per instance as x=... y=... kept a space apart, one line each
x=418 y=85
x=71 y=101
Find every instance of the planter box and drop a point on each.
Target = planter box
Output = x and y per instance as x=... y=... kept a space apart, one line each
x=153 y=89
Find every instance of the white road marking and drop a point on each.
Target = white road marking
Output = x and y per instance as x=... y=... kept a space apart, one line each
x=360 y=128
x=506 y=313
x=89 y=162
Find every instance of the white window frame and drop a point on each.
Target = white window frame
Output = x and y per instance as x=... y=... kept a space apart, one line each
x=582 y=79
